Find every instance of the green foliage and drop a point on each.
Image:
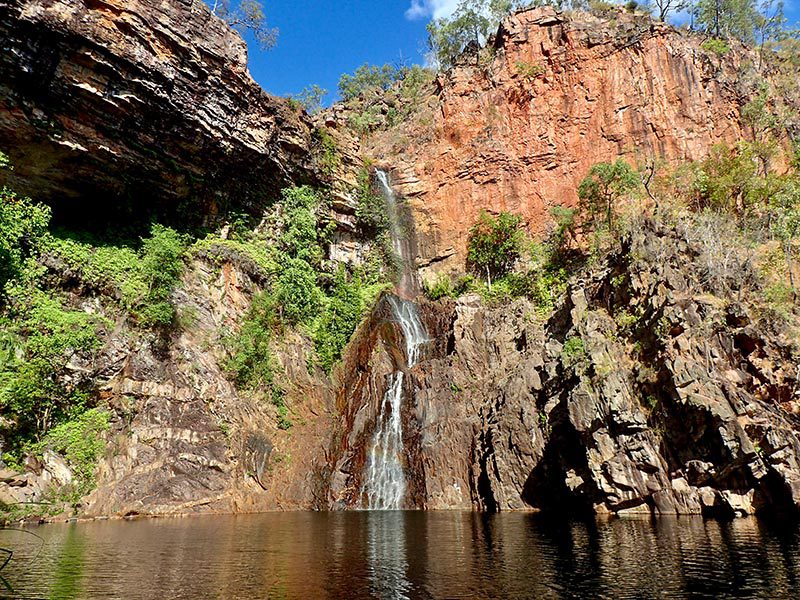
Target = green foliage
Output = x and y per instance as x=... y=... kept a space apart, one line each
x=470 y=25
x=329 y=153
x=368 y=78
x=371 y=210
x=565 y=223
x=38 y=340
x=161 y=261
x=23 y=226
x=249 y=362
x=528 y=71
x=716 y=46
x=80 y=442
x=311 y=98
x=296 y=292
x=337 y=324
x=603 y=187
x=726 y=18
x=573 y=352
x=441 y=287
x=5 y=162
x=247 y=17
x=494 y=244
x=142 y=279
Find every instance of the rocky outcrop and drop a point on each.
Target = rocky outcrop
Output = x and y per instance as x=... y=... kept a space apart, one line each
x=643 y=392
x=140 y=108
x=183 y=439
x=517 y=127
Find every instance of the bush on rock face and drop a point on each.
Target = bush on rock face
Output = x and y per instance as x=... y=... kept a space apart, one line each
x=495 y=244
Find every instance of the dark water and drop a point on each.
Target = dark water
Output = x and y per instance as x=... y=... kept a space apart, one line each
x=405 y=555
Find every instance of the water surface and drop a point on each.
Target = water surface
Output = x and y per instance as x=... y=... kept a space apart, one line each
x=404 y=555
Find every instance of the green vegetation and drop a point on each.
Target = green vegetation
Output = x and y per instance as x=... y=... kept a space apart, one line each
x=247 y=17
x=528 y=71
x=143 y=279
x=80 y=442
x=716 y=46
x=404 y=89
x=39 y=335
x=470 y=26
x=329 y=153
x=310 y=98
x=604 y=186
x=573 y=352
x=494 y=244
x=368 y=78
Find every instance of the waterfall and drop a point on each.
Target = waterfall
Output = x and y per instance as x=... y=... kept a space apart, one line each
x=407 y=286
x=385 y=482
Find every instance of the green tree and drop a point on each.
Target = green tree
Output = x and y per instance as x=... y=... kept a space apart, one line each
x=340 y=319
x=311 y=98
x=368 y=78
x=664 y=7
x=494 y=244
x=470 y=25
x=247 y=16
x=23 y=225
x=726 y=18
x=603 y=187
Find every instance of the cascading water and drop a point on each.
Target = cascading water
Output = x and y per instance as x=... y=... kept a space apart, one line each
x=385 y=482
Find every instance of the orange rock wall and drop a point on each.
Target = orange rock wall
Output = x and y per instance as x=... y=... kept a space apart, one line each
x=626 y=87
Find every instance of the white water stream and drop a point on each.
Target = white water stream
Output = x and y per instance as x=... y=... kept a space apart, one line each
x=385 y=482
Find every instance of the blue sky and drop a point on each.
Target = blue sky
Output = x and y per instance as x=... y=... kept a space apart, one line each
x=321 y=39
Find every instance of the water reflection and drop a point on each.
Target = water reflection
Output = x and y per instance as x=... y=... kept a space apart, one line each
x=407 y=555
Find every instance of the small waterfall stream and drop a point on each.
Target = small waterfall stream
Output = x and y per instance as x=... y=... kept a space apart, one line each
x=384 y=481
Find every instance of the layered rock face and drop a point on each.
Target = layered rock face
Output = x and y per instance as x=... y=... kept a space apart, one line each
x=519 y=131
x=643 y=393
x=140 y=108
x=183 y=439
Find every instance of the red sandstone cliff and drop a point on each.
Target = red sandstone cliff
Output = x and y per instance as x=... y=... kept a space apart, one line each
x=560 y=94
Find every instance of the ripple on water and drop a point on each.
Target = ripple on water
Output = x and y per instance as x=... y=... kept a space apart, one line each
x=397 y=554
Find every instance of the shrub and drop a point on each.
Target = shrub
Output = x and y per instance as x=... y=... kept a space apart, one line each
x=603 y=187
x=528 y=71
x=80 y=442
x=296 y=292
x=716 y=46
x=494 y=244
x=367 y=78
x=573 y=352
x=441 y=287
x=161 y=269
x=37 y=345
x=371 y=210
x=249 y=362
x=23 y=225
x=310 y=98
x=339 y=321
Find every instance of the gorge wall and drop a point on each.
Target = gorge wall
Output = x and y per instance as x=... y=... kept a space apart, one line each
x=691 y=408
x=643 y=392
x=518 y=129
x=137 y=108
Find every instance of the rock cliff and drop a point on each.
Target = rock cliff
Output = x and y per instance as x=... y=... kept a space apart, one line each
x=644 y=392
x=140 y=108
x=516 y=128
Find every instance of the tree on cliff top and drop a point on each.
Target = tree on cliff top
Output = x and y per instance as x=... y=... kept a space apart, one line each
x=247 y=17
x=471 y=24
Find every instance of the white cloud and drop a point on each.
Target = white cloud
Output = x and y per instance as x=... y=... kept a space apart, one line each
x=437 y=9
